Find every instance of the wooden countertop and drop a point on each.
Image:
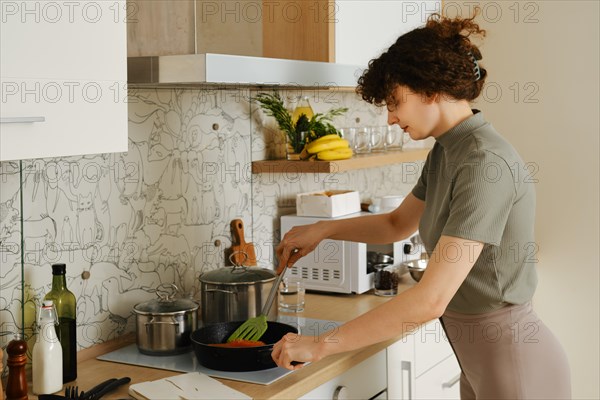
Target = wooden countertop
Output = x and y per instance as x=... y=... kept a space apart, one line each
x=334 y=307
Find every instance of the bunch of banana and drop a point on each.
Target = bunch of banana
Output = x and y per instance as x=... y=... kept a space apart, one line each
x=327 y=148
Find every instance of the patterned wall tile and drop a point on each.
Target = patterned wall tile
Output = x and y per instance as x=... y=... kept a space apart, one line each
x=10 y=252
x=275 y=194
x=161 y=212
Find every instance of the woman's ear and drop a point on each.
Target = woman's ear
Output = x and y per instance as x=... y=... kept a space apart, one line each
x=435 y=98
x=430 y=99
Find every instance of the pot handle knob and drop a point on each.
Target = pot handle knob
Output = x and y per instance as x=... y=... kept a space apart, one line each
x=239 y=265
x=167 y=291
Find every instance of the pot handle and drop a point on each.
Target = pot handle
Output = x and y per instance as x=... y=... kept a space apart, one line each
x=153 y=322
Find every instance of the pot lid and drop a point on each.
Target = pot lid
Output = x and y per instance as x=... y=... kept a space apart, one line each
x=166 y=303
x=237 y=275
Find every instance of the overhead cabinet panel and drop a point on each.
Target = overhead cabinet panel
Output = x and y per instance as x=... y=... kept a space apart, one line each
x=63 y=72
x=78 y=40
x=366 y=28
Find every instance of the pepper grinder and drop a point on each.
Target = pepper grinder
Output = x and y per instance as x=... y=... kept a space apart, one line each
x=16 y=385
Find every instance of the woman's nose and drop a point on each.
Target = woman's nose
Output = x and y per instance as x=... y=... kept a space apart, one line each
x=391 y=118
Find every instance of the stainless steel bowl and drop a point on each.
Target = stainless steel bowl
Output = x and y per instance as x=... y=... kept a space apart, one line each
x=416 y=268
x=384 y=259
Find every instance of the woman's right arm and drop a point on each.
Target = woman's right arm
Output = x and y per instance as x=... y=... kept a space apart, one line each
x=374 y=229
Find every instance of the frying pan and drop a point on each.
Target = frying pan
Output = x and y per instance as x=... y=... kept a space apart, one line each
x=236 y=359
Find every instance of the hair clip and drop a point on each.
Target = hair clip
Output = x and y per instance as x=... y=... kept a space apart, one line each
x=476 y=69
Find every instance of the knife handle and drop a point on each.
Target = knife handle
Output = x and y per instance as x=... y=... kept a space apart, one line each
x=90 y=393
x=111 y=386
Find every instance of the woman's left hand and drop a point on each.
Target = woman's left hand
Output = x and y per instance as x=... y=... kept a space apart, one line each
x=297 y=349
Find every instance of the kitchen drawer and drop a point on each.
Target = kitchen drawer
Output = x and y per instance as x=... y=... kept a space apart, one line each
x=363 y=381
x=431 y=346
x=440 y=382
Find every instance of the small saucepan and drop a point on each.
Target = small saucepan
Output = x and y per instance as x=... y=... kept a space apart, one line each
x=164 y=325
x=236 y=359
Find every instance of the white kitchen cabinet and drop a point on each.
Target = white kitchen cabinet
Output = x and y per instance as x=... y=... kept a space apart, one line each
x=363 y=381
x=423 y=366
x=63 y=74
x=366 y=28
x=440 y=382
x=400 y=365
x=431 y=346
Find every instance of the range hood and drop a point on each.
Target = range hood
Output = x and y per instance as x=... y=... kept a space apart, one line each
x=224 y=69
x=198 y=43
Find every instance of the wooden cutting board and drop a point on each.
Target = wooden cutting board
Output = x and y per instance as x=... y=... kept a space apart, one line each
x=240 y=246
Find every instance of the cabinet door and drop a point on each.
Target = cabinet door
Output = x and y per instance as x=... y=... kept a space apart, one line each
x=363 y=381
x=400 y=364
x=62 y=65
x=440 y=382
x=77 y=40
x=365 y=28
x=78 y=118
x=431 y=346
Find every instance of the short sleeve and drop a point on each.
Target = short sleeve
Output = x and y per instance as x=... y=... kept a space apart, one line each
x=482 y=196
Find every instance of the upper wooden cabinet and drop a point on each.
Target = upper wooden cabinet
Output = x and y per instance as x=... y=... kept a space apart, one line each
x=63 y=76
x=342 y=31
x=299 y=30
x=167 y=27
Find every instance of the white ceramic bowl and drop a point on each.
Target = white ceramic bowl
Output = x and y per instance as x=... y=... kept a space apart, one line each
x=390 y=202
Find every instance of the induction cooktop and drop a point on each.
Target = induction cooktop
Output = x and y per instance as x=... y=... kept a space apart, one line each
x=187 y=362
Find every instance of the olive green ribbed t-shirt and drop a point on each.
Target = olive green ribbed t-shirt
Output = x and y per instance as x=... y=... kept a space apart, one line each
x=476 y=187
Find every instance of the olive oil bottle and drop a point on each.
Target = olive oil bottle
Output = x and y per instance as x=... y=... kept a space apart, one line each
x=303 y=107
x=65 y=304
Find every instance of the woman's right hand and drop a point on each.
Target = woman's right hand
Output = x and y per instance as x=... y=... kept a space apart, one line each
x=298 y=242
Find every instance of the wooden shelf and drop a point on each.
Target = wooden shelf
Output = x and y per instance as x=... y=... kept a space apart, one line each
x=356 y=162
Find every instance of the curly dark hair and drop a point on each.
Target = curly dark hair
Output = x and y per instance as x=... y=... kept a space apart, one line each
x=437 y=58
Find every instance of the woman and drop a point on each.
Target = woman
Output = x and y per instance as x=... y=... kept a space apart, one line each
x=475 y=214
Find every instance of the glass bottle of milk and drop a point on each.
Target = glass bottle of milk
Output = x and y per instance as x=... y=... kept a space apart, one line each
x=47 y=353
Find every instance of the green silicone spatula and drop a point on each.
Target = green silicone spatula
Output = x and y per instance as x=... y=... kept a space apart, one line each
x=255 y=327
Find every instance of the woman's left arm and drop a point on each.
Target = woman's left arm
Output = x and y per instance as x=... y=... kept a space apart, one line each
x=448 y=266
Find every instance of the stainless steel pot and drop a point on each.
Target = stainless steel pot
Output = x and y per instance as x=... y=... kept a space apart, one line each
x=164 y=325
x=235 y=294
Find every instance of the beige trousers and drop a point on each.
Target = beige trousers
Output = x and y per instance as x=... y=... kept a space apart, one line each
x=508 y=354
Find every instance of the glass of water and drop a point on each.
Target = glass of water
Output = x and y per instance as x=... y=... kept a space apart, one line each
x=362 y=140
x=348 y=134
x=291 y=295
x=395 y=138
x=378 y=138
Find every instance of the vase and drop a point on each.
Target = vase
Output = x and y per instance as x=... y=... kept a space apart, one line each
x=294 y=148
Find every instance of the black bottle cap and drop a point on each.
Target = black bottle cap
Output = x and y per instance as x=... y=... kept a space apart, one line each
x=59 y=269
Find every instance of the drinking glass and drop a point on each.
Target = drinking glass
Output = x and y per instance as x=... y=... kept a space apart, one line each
x=294 y=147
x=291 y=295
x=349 y=134
x=378 y=139
x=362 y=140
x=395 y=138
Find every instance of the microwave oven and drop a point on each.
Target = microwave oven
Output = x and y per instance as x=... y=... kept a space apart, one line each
x=342 y=266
